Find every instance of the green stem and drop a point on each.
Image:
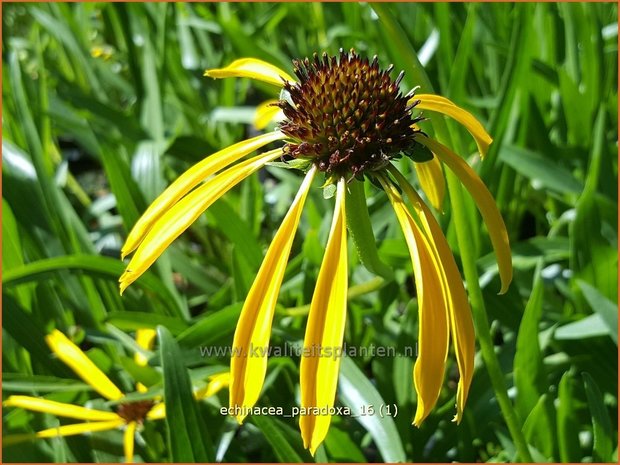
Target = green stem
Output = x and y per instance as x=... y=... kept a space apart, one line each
x=463 y=234
x=360 y=228
x=371 y=285
x=481 y=321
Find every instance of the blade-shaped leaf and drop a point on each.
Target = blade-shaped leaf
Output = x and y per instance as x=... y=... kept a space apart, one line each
x=187 y=435
x=355 y=391
x=601 y=423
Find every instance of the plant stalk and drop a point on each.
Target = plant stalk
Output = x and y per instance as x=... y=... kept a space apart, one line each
x=463 y=234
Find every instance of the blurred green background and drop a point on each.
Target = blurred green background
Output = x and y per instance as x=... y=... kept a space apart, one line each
x=105 y=104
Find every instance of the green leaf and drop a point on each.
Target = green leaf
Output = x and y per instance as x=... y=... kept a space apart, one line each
x=12 y=256
x=539 y=427
x=590 y=326
x=329 y=191
x=593 y=258
x=568 y=423
x=296 y=164
x=420 y=154
x=516 y=70
x=152 y=117
x=146 y=168
x=92 y=265
x=17 y=382
x=193 y=271
x=20 y=187
x=11 y=246
x=458 y=68
x=237 y=231
x=25 y=330
x=542 y=171
x=131 y=321
x=401 y=49
x=190 y=57
x=242 y=275
x=129 y=199
x=141 y=373
x=601 y=424
x=528 y=368
x=187 y=435
x=356 y=391
x=606 y=309
x=342 y=447
x=212 y=327
x=271 y=429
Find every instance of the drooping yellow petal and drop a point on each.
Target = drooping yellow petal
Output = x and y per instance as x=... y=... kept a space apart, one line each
x=267 y=112
x=190 y=179
x=187 y=210
x=248 y=362
x=72 y=356
x=461 y=323
x=141 y=387
x=80 y=428
x=252 y=68
x=144 y=339
x=433 y=328
x=321 y=354
x=447 y=107
x=216 y=384
x=432 y=182
x=59 y=409
x=157 y=412
x=485 y=203
x=129 y=441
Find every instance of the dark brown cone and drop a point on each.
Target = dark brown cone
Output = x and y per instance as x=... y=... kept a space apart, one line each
x=346 y=115
x=135 y=411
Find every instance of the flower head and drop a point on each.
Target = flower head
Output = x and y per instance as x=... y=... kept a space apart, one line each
x=128 y=415
x=345 y=117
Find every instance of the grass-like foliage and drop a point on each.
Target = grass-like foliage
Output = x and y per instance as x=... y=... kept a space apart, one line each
x=105 y=104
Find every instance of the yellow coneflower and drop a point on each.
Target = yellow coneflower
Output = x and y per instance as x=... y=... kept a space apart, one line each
x=346 y=118
x=129 y=415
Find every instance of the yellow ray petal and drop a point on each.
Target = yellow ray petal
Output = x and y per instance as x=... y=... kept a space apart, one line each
x=432 y=182
x=80 y=428
x=251 y=342
x=144 y=339
x=447 y=107
x=129 y=441
x=157 y=412
x=72 y=356
x=187 y=210
x=252 y=68
x=461 y=323
x=59 y=409
x=485 y=203
x=320 y=359
x=267 y=112
x=433 y=328
x=190 y=179
x=216 y=384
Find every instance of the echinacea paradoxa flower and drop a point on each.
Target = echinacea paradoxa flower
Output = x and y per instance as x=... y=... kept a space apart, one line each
x=346 y=118
x=129 y=415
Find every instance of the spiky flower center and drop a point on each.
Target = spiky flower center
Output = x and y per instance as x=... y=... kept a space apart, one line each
x=135 y=411
x=346 y=115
